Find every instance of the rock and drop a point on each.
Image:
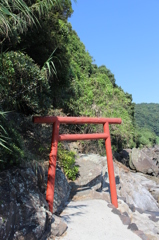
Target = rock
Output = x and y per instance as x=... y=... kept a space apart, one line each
x=116 y=211
x=141 y=235
x=136 y=206
x=145 y=224
x=133 y=227
x=62 y=188
x=131 y=165
x=24 y=212
x=156 y=150
x=125 y=219
x=132 y=207
x=73 y=146
x=152 y=153
x=144 y=220
x=155 y=192
x=93 y=178
x=58 y=226
x=62 y=191
x=123 y=156
x=143 y=162
x=93 y=172
x=134 y=187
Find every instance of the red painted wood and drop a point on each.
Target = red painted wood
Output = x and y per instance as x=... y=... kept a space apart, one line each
x=54 y=144
x=76 y=120
x=64 y=137
x=52 y=166
x=110 y=167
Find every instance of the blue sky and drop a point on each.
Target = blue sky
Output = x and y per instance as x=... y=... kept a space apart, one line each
x=123 y=35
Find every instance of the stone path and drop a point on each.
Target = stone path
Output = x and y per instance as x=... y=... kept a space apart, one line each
x=93 y=220
x=90 y=216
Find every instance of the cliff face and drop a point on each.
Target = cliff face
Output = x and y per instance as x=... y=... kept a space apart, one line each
x=24 y=211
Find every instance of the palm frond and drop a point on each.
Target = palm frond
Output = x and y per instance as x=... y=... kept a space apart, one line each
x=3 y=138
x=25 y=15
x=49 y=64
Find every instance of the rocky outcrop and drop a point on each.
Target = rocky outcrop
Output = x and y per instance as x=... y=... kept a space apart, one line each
x=138 y=209
x=24 y=212
x=93 y=180
x=123 y=156
x=90 y=182
x=135 y=188
x=144 y=223
x=145 y=161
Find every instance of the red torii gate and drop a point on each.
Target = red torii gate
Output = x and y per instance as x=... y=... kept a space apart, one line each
x=56 y=121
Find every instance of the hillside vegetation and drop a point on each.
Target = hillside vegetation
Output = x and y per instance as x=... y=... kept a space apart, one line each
x=44 y=66
x=147 y=117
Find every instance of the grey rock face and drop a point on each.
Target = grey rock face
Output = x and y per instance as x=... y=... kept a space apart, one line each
x=123 y=156
x=93 y=170
x=145 y=161
x=135 y=188
x=62 y=191
x=58 y=226
x=137 y=208
x=24 y=212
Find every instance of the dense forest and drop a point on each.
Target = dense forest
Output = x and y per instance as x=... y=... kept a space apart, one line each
x=147 y=115
x=44 y=66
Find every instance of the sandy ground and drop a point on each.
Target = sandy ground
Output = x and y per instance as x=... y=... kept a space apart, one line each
x=93 y=220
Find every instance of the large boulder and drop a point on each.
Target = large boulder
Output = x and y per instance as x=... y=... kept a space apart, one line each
x=135 y=189
x=24 y=212
x=62 y=188
x=93 y=181
x=144 y=161
x=123 y=156
x=61 y=193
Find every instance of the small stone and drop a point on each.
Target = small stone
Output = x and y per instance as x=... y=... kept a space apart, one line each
x=132 y=207
x=125 y=219
x=116 y=211
x=133 y=227
x=141 y=235
x=153 y=218
x=126 y=214
x=110 y=205
x=140 y=210
x=122 y=198
x=58 y=226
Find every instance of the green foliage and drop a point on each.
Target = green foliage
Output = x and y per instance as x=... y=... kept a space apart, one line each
x=56 y=71
x=16 y=16
x=3 y=134
x=67 y=162
x=147 y=115
x=13 y=153
x=157 y=140
x=93 y=92
x=144 y=137
x=23 y=86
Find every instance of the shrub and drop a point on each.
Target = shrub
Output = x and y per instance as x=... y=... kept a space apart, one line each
x=145 y=137
x=23 y=85
x=12 y=153
x=67 y=162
